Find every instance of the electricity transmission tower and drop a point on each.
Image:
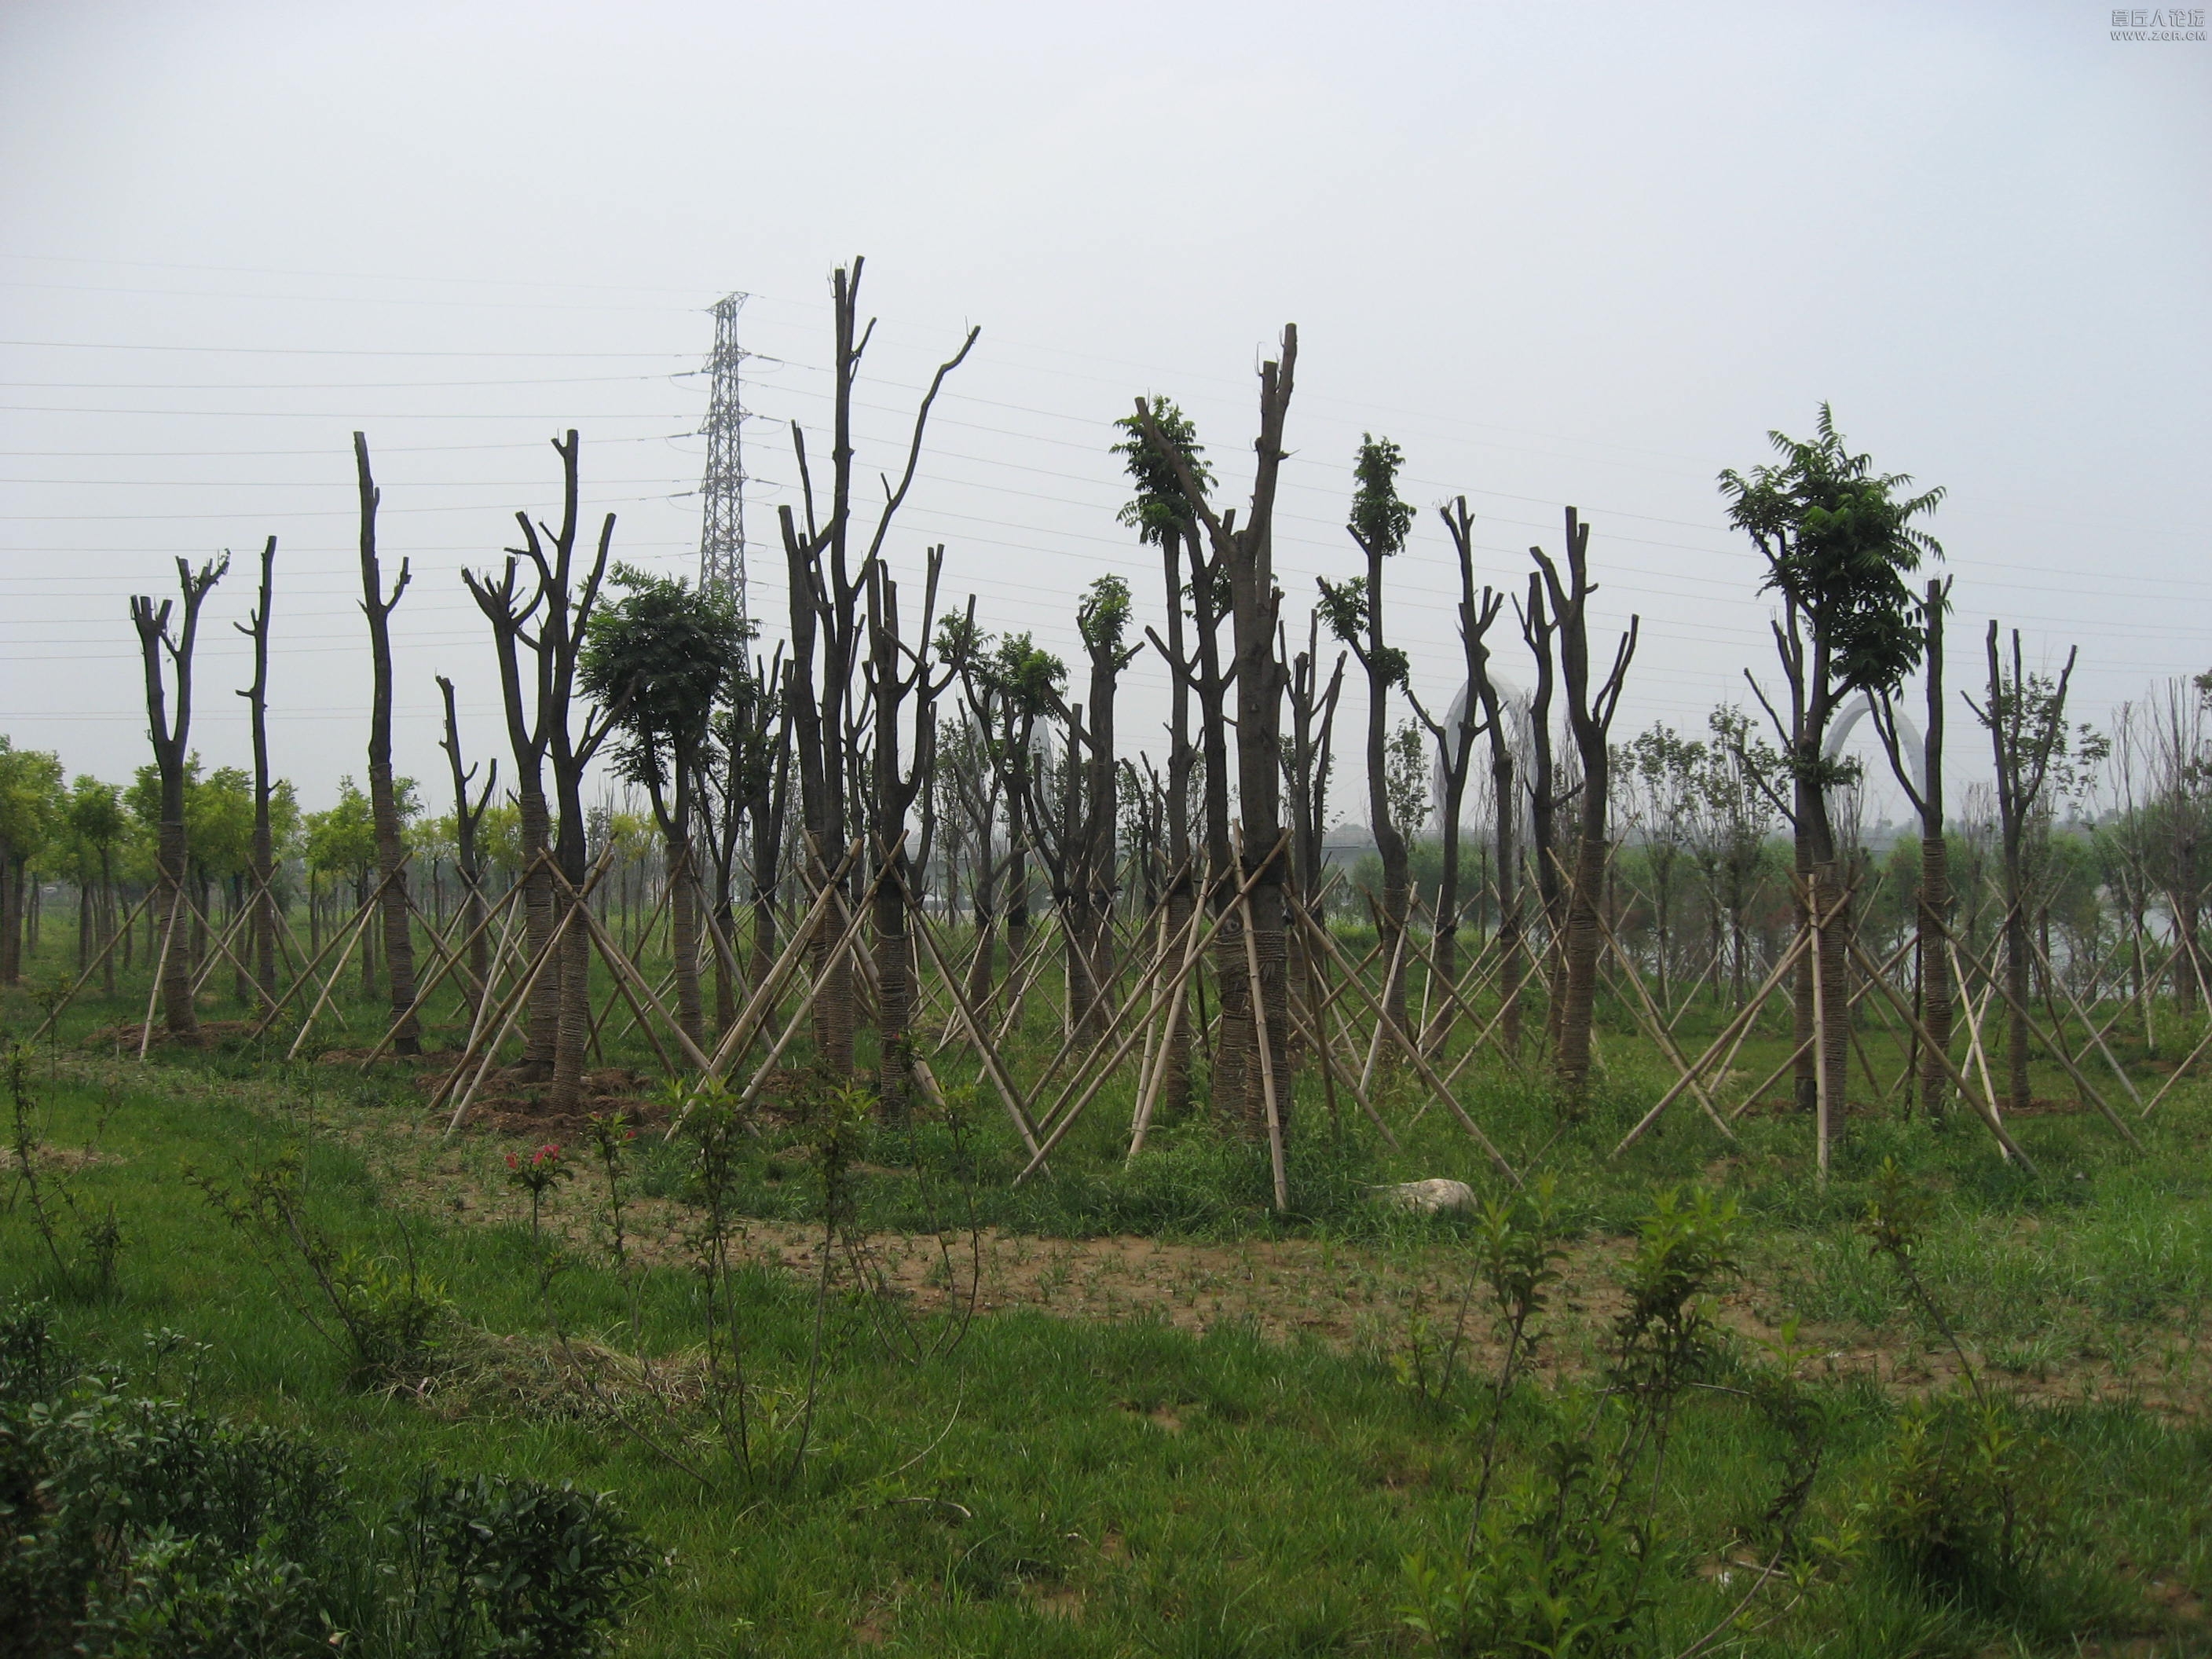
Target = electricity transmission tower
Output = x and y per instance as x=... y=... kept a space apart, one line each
x=722 y=530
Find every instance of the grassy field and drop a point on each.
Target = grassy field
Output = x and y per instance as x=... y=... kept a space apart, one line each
x=1125 y=1408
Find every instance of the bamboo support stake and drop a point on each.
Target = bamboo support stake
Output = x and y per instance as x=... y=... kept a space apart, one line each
x=1266 y=1055
x=1064 y=1121
x=1734 y=1031
x=1300 y=1023
x=168 y=934
x=1091 y=1075
x=84 y=978
x=219 y=940
x=506 y=903
x=361 y=926
x=511 y=1009
x=1985 y=1106
x=1974 y=1013
x=1155 y=1078
x=1419 y=1061
x=1010 y=1096
x=1389 y=977
x=2065 y=1060
x=843 y=948
x=743 y=1029
x=1823 y=1108
x=497 y=967
x=350 y=929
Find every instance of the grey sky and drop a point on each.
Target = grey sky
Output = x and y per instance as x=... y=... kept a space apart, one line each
x=1585 y=254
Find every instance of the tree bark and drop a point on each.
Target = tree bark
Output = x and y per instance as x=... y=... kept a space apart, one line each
x=172 y=754
x=383 y=806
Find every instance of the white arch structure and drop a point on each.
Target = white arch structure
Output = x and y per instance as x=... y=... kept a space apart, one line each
x=1908 y=738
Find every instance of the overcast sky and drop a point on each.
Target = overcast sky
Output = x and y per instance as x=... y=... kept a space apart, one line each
x=1584 y=254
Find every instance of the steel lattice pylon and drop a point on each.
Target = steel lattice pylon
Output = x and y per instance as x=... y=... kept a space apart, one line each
x=722 y=488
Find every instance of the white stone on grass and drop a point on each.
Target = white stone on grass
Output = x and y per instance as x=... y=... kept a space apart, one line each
x=1427 y=1197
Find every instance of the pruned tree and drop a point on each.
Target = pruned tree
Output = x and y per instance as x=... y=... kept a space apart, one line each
x=509 y=609
x=1026 y=681
x=748 y=790
x=262 y=946
x=1591 y=705
x=972 y=773
x=468 y=861
x=551 y=620
x=1454 y=735
x=1379 y=525
x=1307 y=756
x=1253 y=1083
x=1546 y=794
x=826 y=631
x=898 y=673
x=663 y=653
x=1102 y=622
x=396 y=913
x=2025 y=715
x=1482 y=690
x=1164 y=516
x=1838 y=540
x=1920 y=777
x=172 y=738
x=564 y=620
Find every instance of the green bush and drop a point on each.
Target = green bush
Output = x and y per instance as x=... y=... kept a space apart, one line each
x=1966 y=1503
x=136 y=1527
x=508 y=1569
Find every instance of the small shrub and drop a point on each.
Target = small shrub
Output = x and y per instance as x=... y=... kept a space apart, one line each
x=1966 y=1503
x=384 y=1313
x=495 y=1568
x=137 y=1526
x=134 y=1527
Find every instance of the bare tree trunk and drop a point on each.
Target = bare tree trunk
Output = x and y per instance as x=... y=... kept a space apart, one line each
x=1589 y=713
x=2026 y=719
x=170 y=754
x=262 y=946
x=466 y=858
x=390 y=838
x=1242 y=1082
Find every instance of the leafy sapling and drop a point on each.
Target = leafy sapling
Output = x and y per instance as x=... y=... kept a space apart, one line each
x=538 y=1175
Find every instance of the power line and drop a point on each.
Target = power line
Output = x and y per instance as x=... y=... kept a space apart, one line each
x=328 y=351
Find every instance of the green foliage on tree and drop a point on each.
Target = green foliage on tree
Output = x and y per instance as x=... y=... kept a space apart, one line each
x=1840 y=541
x=661 y=657
x=1407 y=780
x=1103 y=615
x=33 y=810
x=1380 y=521
x=1028 y=676
x=341 y=841
x=1160 y=509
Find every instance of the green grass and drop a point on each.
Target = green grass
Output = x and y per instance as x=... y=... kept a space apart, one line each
x=1058 y=1487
